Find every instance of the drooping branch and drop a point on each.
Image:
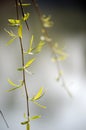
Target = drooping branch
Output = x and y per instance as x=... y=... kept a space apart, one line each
x=22 y=56
x=50 y=42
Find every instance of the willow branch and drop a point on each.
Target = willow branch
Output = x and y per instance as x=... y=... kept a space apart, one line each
x=22 y=10
x=22 y=53
x=39 y=13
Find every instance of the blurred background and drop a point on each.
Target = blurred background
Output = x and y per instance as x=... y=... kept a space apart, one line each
x=69 y=31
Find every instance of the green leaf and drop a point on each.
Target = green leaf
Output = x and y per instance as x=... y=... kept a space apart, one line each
x=61 y=55
x=35 y=117
x=20 y=31
x=24 y=4
x=29 y=63
x=31 y=42
x=14 y=22
x=20 y=69
x=25 y=115
x=26 y=16
x=39 y=105
x=38 y=95
x=24 y=123
x=10 y=33
x=11 y=41
x=13 y=89
x=47 y=21
x=39 y=47
x=28 y=126
x=15 y=86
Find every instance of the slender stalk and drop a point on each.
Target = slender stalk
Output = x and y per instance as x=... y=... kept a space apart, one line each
x=4 y=119
x=39 y=13
x=22 y=53
x=23 y=14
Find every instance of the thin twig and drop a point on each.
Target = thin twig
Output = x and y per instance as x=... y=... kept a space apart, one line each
x=24 y=79
x=23 y=14
x=39 y=13
x=4 y=119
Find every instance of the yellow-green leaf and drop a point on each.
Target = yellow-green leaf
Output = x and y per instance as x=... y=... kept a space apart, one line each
x=31 y=43
x=24 y=4
x=13 y=89
x=20 y=31
x=39 y=105
x=20 y=69
x=26 y=16
x=11 y=41
x=35 y=117
x=10 y=33
x=13 y=84
x=24 y=123
x=38 y=95
x=14 y=22
x=29 y=63
x=39 y=47
x=47 y=21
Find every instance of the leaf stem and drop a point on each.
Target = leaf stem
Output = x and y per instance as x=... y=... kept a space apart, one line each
x=23 y=14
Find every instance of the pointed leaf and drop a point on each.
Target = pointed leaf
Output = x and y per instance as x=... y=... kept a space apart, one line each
x=35 y=117
x=13 y=84
x=20 y=69
x=24 y=123
x=13 y=89
x=39 y=47
x=47 y=21
x=31 y=42
x=11 y=41
x=14 y=22
x=25 y=115
x=26 y=16
x=39 y=105
x=29 y=63
x=38 y=95
x=20 y=31
x=10 y=33
x=24 y=4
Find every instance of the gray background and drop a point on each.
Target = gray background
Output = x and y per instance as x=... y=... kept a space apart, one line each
x=63 y=112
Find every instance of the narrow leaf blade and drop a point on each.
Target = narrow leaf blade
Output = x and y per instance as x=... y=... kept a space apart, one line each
x=39 y=105
x=26 y=16
x=29 y=63
x=14 y=22
x=35 y=117
x=38 y=95
x=39 y=47
x=13 y=84
x=24 y=4
x=13 y=89
x=11 y=41
x=24 y=123
x=20 y=31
